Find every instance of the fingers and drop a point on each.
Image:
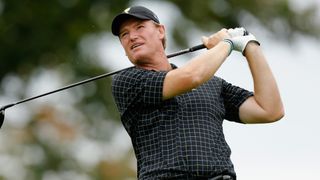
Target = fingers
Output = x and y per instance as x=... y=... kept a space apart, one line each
x=215 y=38
x=240 y=31
x=205 y=40
x=232 y=34
x=238 y=37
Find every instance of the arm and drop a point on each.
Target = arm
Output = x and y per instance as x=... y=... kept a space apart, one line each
x=266 y=105
x=198 y=70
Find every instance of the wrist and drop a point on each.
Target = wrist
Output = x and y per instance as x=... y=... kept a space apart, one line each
x=230 y=44
x=251 y=47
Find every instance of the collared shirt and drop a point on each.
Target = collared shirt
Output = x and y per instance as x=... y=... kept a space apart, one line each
x=180 y=136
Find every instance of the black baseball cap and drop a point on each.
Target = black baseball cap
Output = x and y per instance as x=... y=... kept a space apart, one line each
x=139 y=12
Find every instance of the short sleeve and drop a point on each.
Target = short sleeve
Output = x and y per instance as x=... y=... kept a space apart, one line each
x=137 y=86
x=233 y=97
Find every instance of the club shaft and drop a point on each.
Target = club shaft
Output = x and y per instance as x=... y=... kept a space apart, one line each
x=194 y=48
x=71 y=86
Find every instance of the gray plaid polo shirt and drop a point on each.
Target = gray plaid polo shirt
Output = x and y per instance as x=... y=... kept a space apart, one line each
x=180 y=137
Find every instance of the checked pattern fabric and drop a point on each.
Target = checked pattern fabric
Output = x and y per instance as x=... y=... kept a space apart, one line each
x=182 y=136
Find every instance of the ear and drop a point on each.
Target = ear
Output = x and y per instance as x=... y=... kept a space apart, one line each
x=162 y=31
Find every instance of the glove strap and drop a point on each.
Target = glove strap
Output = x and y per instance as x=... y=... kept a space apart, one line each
x=231 y=45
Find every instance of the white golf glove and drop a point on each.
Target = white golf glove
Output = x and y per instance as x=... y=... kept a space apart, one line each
x=240 y=38
x=237 y=32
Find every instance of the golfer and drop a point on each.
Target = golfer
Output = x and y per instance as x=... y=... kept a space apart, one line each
x=174 y=115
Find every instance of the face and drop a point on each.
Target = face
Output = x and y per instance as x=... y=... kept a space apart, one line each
x=141 y=40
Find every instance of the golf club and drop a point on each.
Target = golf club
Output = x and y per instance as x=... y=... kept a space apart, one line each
x=3 y=108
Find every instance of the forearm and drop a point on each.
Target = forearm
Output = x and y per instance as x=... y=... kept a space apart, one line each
x=266 y=93
x=204 y=66
x=196 y=72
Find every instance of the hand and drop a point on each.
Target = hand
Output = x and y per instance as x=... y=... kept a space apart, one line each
x=240 y=31
x=240 y=38
x=214 y=39
x=240 y=42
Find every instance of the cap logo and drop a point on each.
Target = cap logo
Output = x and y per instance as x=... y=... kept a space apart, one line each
x=127 y=10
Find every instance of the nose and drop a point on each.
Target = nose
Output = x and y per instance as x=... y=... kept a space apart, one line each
x=133 y=35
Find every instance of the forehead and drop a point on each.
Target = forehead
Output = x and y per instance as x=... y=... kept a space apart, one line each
x=132 y=22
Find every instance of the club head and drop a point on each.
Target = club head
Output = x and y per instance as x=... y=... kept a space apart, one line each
x=1 y=117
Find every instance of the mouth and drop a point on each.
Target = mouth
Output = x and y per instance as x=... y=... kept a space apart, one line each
x=136 y=45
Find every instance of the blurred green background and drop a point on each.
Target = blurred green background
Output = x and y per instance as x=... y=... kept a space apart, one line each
x=45 y=45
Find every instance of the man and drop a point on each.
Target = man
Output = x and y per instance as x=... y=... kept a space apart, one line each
x=174 y=115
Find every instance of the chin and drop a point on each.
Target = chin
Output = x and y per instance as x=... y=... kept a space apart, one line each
x=138 y=59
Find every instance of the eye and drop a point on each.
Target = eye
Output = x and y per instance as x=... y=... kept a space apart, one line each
x=140 y=26
x=123 y=34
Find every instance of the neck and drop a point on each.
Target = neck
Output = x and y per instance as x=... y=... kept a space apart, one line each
x=159 y=63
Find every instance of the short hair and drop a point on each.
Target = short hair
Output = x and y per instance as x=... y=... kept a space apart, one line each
x=164 y=40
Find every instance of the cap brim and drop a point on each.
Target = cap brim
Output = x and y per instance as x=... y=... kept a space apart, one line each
x=118 y=20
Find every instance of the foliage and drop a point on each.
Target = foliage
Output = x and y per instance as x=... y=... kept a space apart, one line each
x=278 y=16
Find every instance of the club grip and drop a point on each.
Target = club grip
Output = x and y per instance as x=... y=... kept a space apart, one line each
x=198 y=47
